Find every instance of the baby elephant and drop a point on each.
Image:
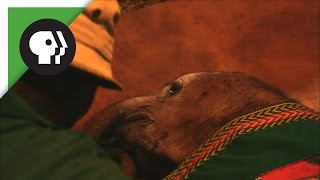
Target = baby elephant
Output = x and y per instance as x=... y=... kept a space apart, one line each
x=151 y=135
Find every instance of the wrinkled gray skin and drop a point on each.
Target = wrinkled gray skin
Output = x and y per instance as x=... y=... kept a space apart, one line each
x=150 y=135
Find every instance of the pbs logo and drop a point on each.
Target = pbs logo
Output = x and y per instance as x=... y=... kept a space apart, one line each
x=47 y=46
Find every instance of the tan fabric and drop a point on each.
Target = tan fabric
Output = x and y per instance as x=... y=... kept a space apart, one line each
x=93 y=31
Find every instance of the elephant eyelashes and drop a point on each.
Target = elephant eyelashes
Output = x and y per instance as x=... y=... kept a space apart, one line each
x=174 y=88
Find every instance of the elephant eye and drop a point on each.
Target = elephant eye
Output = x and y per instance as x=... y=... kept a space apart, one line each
x=174 y=88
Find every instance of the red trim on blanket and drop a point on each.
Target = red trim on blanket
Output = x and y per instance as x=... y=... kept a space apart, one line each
x=261 y=119
x=298 y=170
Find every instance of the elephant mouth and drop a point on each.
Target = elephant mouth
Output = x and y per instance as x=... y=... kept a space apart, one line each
x=121 y=154
x=123 y=145
x=129 y=132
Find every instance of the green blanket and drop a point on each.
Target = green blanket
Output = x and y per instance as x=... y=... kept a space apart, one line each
x=245 y=148
x=255 y=143
x=33 y=148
